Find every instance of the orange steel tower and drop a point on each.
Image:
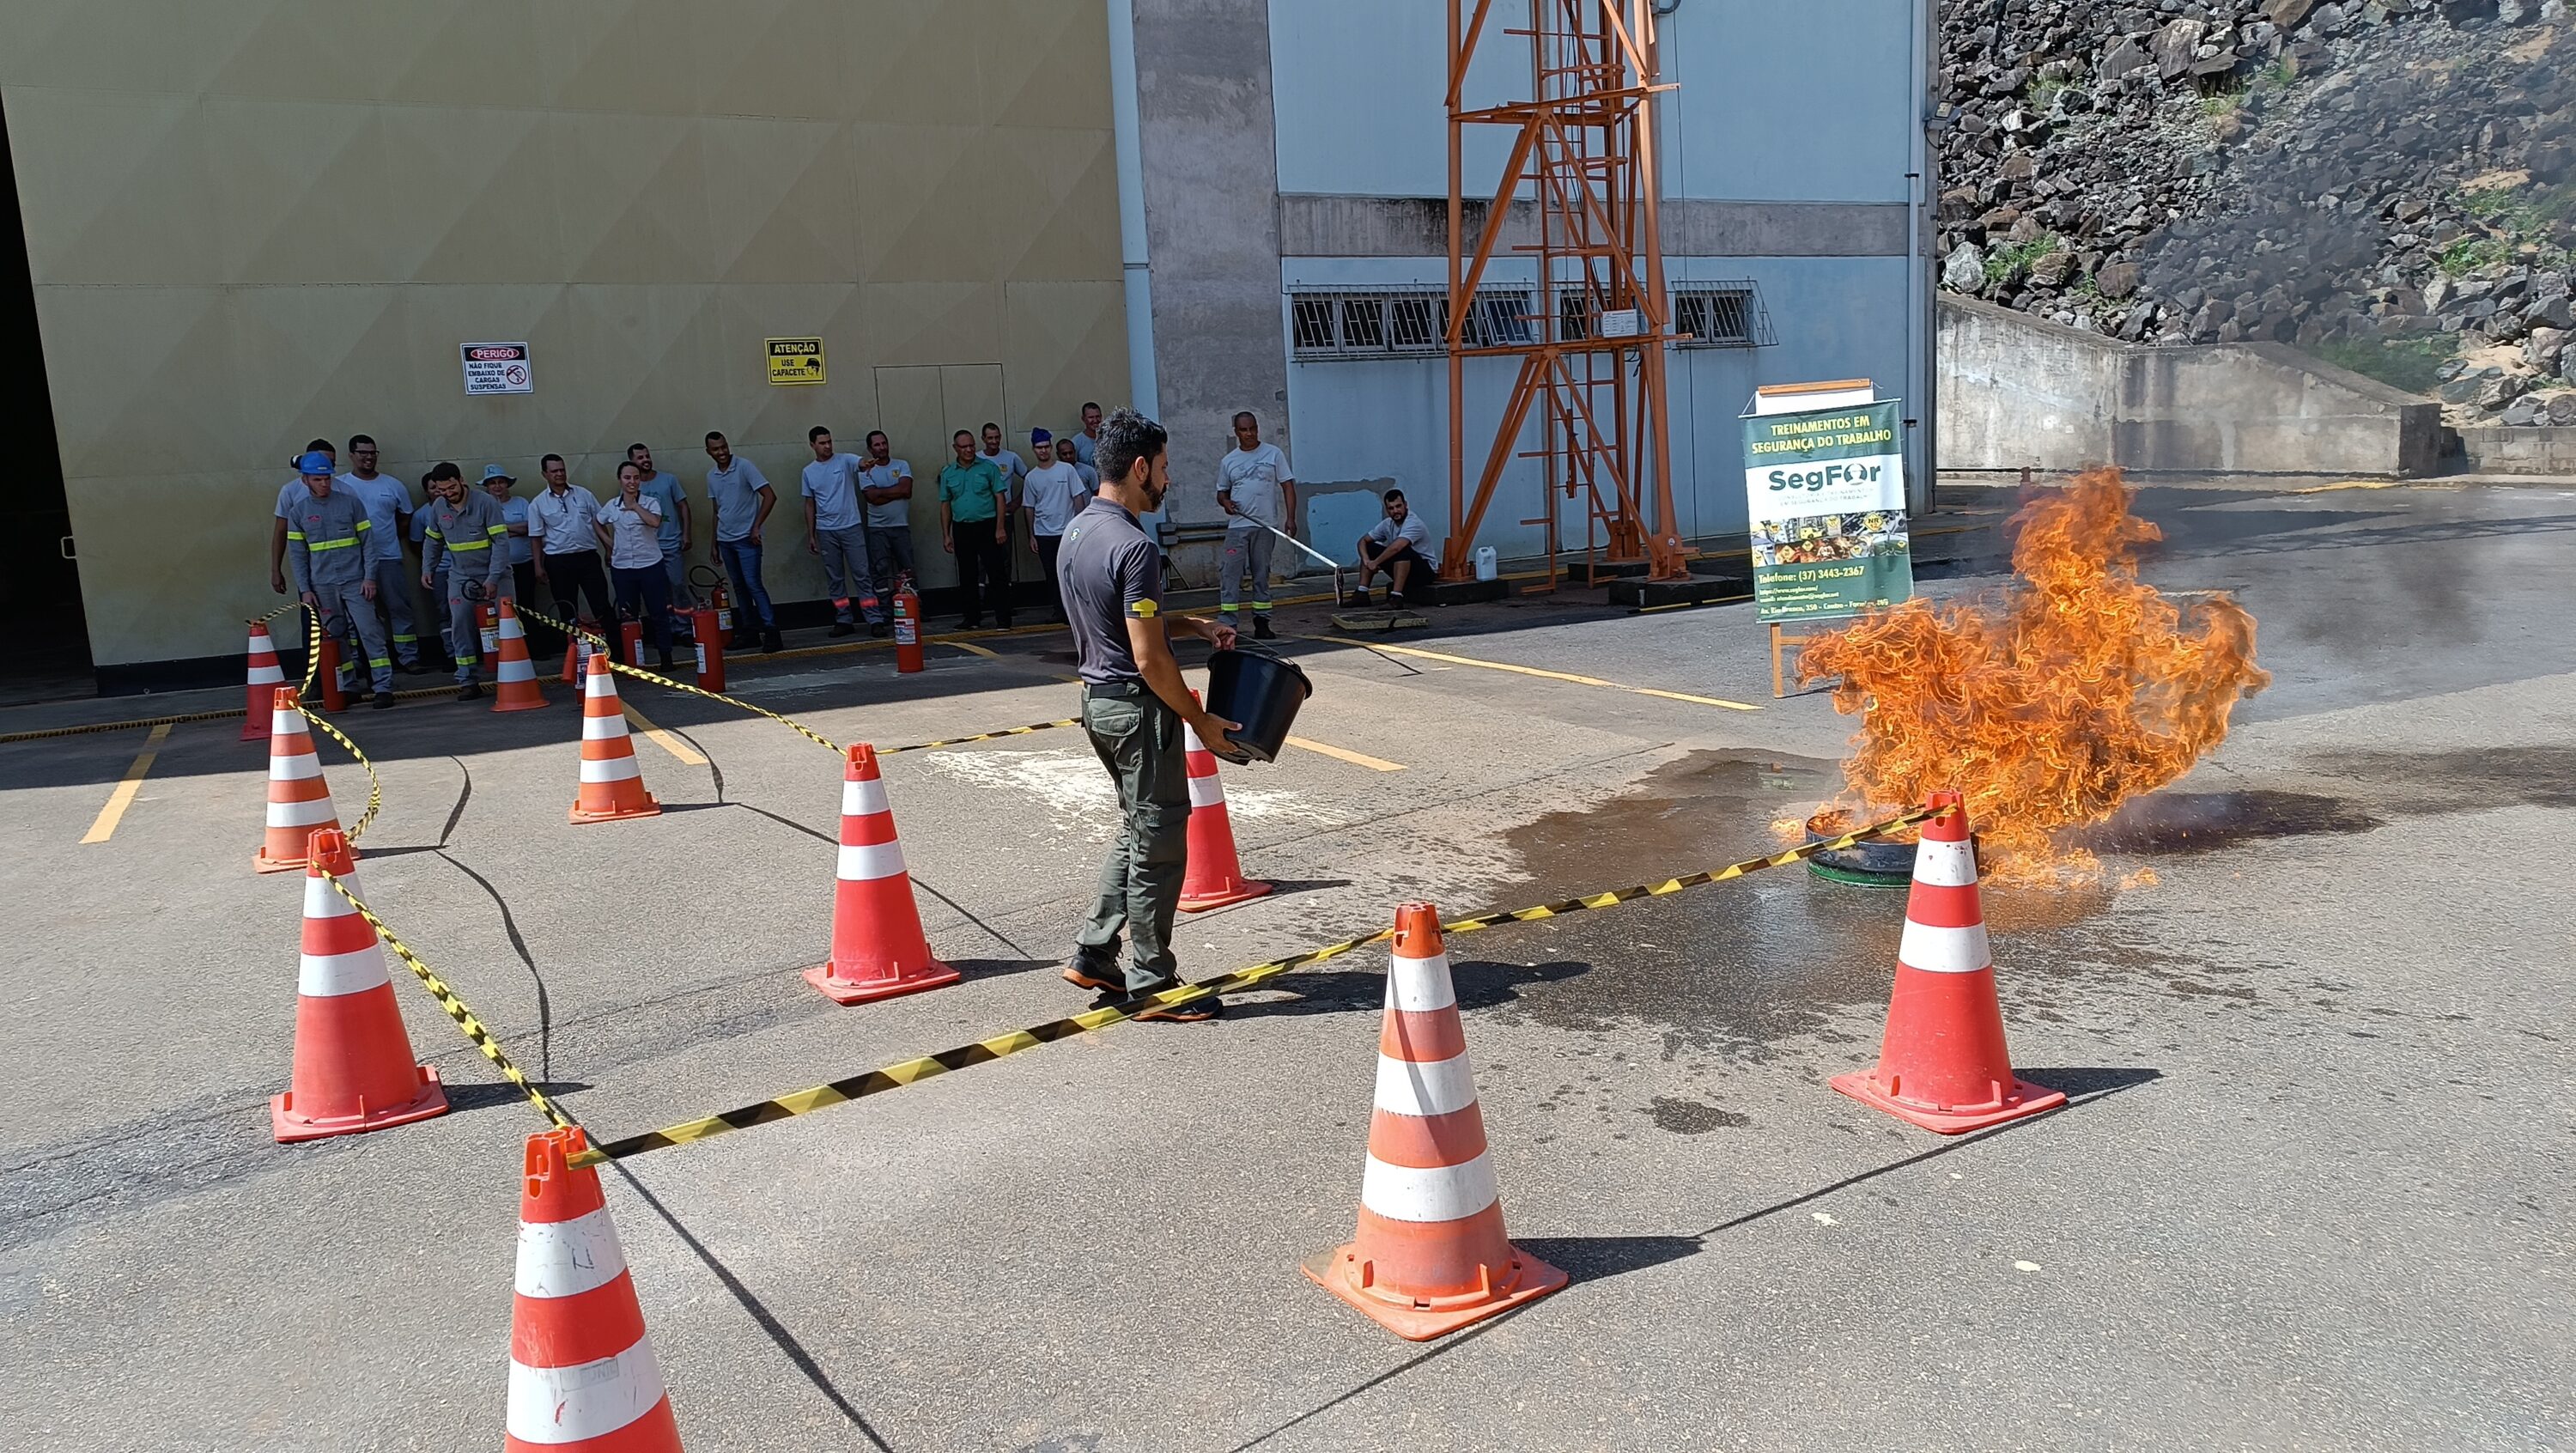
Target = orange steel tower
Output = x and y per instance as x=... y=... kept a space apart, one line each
x=1591 y=354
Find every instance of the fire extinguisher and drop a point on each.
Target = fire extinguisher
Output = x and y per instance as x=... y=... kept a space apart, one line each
x=490 y=628
x=724 y=610
x=630 y=642
x=706 y=627
x=576 y=667
x=907 y=627
x=329 y=675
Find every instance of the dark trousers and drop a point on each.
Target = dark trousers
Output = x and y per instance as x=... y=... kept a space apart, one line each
x=576 y=578
x=983 y=571
x=1048 y=545
x=1413 y=580
x=543 y=641
x=1138 y=739
x=750 y=593
x=644 y=592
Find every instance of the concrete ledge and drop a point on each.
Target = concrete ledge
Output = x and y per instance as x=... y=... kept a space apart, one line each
x=1319 y=224
x=2018 y=390
x=2502 y=449
x=1637 y=591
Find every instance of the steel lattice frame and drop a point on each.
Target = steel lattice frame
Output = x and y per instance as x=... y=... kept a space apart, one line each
x=1583 y=156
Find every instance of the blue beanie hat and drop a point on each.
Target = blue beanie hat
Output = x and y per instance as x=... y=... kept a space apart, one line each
x=1040 y=436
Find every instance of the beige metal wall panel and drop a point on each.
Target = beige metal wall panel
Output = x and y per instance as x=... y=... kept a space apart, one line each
x=256 y=221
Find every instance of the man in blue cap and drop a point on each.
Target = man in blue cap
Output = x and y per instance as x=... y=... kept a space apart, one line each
x=326 y=551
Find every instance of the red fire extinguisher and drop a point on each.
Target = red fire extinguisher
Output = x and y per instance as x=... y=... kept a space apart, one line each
x=576 y=666
x=328 y=673
x=907 y=627
x=724 y=610
x=630 y=642
x=489 y=627
x=706 y=627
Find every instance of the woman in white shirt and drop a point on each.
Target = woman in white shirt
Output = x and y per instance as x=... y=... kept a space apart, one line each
x=630 y=525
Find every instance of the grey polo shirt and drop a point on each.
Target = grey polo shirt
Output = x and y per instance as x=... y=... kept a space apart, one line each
x=1110 y=573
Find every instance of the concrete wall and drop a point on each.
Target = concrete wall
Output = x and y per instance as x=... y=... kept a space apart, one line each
x=2497 y=449
x=1212 y=222
x=250 y=224
x=2017 y=390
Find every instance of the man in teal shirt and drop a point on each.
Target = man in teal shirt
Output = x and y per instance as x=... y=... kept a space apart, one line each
x=974 y=528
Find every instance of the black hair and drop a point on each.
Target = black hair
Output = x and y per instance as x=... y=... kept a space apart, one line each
x=549 y=459
x=1392 y=494
x=876 y=434
x=713 y=434
x=638 y=444
x=817 y=432
x=357 y=439
x=624 y=465
x=1243 y=414
x=1125 y=437
x=989 y=424
x=1089 y=405
x=323 y=445
x=444 y=470
x=966 y=434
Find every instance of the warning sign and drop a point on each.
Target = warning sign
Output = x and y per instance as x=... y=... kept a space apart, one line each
x=795 y=360
x=497 y=368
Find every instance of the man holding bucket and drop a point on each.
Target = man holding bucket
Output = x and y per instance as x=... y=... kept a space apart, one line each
x=1133 y=704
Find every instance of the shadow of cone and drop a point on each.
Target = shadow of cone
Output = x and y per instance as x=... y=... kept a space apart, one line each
x=1943 y=1064
x=514 y=678
x=299 y=801
x=878 y=950
x=1214 y=875
x=582 y=1371
x=1430 y=1255
x=265 y=678
x=353 y=1065
x=612 y=782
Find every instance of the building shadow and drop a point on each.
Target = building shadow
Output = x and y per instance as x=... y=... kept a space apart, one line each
x=1480 y=984
x=998 y=968
x=484 y=1094
x=1597 y=1258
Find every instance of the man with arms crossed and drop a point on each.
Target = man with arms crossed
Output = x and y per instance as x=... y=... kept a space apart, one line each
x=886 y=484
x=1049 y=498
x=1133 y=704
x=1258 y=495
x=835 y=530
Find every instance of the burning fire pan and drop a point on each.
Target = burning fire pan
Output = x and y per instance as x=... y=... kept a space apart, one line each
x=1869 y=863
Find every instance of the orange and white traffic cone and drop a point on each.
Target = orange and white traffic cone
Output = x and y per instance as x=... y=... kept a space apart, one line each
x=514 y=680
x=1943 y=1064
x=265 y=678
x=299 y=801
x=1214 y=877
x=353 y=1064
x=877 y=946
x=583 y=1378
x=612 y=782
x=1430 y=1256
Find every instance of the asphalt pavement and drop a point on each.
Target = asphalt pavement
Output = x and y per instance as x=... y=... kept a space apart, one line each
x=2312 y=1189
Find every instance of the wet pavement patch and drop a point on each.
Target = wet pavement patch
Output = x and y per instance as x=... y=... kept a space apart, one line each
x=2205 y=822
x=1690 y=1117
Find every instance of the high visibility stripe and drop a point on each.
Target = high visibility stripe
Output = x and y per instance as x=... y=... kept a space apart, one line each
x=295 y=534
x=1412 y=1087
x=603 y=681
x=382 y=660
x=316 y=812
x=1944 y=950
x=1416 y=985
x=511 y=630
x=1945 y=865
x=328 y=976
x=327 y=544
x=517 y=668
x=321 y=900
x=293 y=766
x=286 y=721
x=1206 y=792
x=565 y=1258
x=1428 y=1193
x=603 y=728
x=462 y=546
x=864 y=799
x=867 y=862
x=266 y=673
x=611 y=769
x=551 y=1405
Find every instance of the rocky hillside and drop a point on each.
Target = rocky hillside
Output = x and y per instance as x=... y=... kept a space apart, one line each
x=2388 y=184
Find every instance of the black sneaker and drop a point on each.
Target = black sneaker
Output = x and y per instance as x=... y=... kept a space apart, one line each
x=880 y=629
x=1196 y=1011
x=470 y=691
x=1395 y=600
x=769 y=640
x=840 y=628
x=1355 y=600
x=383 y=699
x=739 y=641
x=1261 y=629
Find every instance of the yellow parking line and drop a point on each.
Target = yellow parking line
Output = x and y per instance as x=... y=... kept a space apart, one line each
x=1345 y=754
x=1696 y=700
x=688 y=755
x=123 y=797
x=1549 y=675
x=986 y=652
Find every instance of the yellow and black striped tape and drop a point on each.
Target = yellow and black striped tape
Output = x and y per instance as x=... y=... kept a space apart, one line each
x=375 y=784
x=1017 y=731
x=913 y=1071
x=456 y=1008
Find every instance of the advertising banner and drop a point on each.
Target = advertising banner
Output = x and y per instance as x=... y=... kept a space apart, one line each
x=1827 y=493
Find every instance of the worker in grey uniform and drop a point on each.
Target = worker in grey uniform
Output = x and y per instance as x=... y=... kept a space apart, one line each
x=1133 y=704
x=465 y=534
x=326 y=551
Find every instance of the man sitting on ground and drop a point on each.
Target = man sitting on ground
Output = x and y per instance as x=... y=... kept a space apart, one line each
x=1394 y=545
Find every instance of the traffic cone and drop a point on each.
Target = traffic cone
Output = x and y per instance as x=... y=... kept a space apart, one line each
x=1430 y=1256
x=1943 y=1064
x=299 y=801
x=265 y=678
x=877 y=947
x=583 y=1376
x=1214 y=877
x=612 y=784
x=514 y=680
x=353 y=1065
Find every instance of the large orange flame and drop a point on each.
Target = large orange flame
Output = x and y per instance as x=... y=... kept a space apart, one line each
x=2049 y=703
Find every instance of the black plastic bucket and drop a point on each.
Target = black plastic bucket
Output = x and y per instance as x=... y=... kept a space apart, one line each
x=1261 y=692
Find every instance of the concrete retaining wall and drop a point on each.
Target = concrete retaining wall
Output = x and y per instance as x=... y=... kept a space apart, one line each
x=2496 y=449
x=2018 y=390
